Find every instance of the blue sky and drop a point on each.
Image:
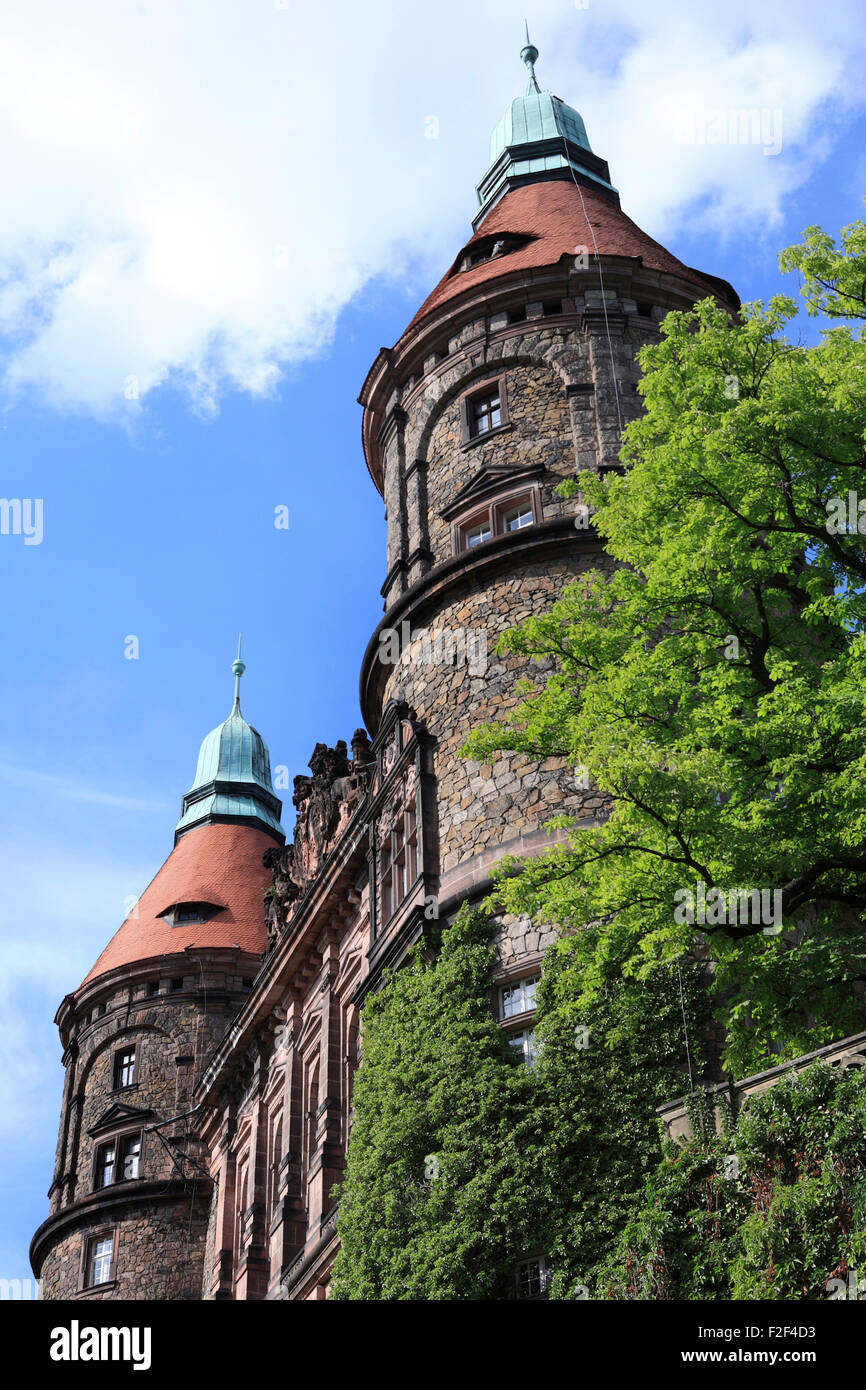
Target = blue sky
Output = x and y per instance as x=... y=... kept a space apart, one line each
x=237 y=205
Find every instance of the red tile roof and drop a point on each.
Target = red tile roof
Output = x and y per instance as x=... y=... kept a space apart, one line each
x=553 y=214
x=212 y=863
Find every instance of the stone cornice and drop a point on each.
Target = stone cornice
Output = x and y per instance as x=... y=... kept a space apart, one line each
x=511 y=551
x=107 y=1205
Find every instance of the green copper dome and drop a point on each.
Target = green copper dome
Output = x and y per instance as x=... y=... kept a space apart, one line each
x=537 y=116
x=539 y=137
x=233 y=776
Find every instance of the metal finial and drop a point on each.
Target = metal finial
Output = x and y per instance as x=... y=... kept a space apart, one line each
x=528 y=55
x=238 y=669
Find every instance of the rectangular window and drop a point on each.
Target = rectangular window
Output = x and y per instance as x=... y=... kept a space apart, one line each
x=398 y=863
x=532 y=1278
x=411 y=847
x=485 y=413
x=518 y=998
x=499 y=518
x=518 y=517
x=476 y=535
x=524 y=1043
x=124 y=1068
x=105 y=1162
x=131 y=1153
x=100 y=1254
x=387 y=886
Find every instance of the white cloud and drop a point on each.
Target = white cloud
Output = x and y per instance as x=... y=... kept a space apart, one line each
x=196 y=188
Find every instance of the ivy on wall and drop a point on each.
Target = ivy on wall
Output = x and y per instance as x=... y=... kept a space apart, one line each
x=462 y=1161
x=772 y=1208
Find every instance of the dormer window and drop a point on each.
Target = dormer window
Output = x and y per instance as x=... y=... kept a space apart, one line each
x=488 y=249
x=186 y=914
x=118 y=1160
x=475 y=535
x=518 y=517
x=496 y=518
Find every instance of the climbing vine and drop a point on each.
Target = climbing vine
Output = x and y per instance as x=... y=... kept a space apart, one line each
x=774 y=1207
x=462 y=1161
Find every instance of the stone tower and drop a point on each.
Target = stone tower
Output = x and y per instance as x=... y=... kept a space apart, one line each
x=517 y=372
x=130 y=1197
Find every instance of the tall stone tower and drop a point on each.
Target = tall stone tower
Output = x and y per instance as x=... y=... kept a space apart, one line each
x=517 y=372
x=131 y=1196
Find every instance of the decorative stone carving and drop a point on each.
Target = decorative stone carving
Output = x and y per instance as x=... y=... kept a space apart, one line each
x=325 y=803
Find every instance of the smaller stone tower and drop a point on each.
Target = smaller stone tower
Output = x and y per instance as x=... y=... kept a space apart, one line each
x=131 y=1192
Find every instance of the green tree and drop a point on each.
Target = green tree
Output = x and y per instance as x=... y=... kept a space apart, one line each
x=602 y=1070
x=714 y=686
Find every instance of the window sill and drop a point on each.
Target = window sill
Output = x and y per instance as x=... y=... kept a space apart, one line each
x=499 y=535
x=89 y=1289
x=119 y=1182
x=518 y=1021
x=488 y=434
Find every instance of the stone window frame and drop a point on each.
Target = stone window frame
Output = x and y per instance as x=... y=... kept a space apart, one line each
x=533 y=978
x=492 y=511
x=403 y=775
x=477 y=391
x=276 y=1154
x=402 y=837
x=529 y=967
x=87 y=1243
x=117 y=1139
x=117 y=1068
x=242 y=1206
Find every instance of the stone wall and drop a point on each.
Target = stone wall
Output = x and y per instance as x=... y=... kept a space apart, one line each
x=481 y=805
x=159 y=1249
x=538 y=433
x=173 y=1019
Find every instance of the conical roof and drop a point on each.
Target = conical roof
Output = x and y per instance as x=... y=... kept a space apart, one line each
x=216 y=866
x=209 y=892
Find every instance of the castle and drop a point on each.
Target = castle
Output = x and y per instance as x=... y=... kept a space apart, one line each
x=209 y=1053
